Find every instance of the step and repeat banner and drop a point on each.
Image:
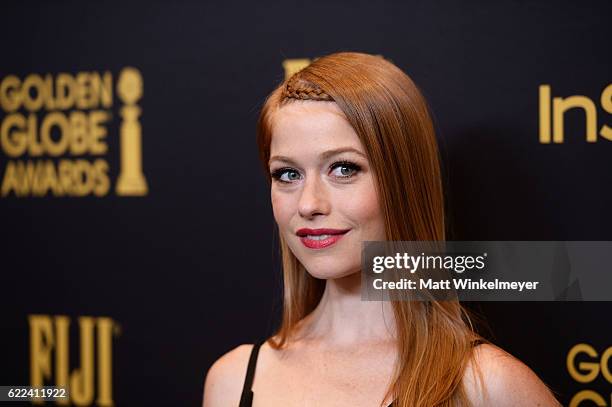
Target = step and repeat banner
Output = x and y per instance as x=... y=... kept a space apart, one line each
x=138 y=240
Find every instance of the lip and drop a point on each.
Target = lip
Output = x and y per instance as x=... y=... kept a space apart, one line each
x=335 y=235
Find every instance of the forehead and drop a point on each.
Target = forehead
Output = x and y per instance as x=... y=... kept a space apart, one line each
x=311 y=126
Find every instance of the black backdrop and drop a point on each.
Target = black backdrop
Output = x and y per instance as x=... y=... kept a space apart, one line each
x=189 y=270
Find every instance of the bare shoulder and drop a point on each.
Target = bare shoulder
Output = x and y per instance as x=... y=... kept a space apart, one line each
x=506 y=381
x=225 y=378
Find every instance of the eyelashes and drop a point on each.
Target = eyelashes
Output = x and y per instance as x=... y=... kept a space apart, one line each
x=344 y=169
x=278 y=174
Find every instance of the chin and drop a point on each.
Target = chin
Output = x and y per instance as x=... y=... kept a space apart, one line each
x=328 y=269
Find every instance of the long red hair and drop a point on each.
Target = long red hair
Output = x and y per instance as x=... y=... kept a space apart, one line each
x=392 y=120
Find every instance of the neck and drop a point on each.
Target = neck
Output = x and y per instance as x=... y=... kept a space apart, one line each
x=342 y=318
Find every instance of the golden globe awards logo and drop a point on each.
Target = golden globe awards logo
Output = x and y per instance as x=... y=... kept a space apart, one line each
x=54 y=134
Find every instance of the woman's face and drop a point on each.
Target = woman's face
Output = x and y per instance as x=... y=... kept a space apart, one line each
x=323 y=190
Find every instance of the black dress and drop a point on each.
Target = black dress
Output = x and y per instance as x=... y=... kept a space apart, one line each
x=246 y=400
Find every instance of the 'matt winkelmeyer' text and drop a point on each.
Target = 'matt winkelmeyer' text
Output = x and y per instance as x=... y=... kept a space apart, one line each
x=463 y=284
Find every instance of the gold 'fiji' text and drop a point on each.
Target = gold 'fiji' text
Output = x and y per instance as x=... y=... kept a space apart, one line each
x=50 y=350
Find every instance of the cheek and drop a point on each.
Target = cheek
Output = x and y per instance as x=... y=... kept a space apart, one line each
x=365 y=210
x=281 y=208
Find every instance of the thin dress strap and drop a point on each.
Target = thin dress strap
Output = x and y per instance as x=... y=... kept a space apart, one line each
x=246 y=399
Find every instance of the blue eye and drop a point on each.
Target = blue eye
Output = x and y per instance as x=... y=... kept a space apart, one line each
x=345 y=169
x=286 y=175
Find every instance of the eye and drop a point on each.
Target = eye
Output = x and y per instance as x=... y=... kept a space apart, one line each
x=286 y=175
x=345 y=169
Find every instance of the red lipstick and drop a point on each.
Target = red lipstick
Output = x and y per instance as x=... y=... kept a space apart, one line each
x=313 y=238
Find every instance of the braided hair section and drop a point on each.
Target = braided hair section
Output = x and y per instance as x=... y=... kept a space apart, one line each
x=297 y=88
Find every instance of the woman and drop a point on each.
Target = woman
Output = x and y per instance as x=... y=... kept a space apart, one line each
x=351 y=154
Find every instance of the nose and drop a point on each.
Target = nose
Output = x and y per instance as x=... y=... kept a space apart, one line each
x=313 y=199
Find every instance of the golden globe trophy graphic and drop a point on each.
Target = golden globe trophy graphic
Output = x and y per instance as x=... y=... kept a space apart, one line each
x=292 y=66
x=131 y=179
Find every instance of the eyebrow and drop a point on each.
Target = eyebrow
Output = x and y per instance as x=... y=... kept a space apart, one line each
x=325 y=155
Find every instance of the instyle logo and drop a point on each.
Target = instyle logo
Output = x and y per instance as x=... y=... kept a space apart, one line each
x=50 y=349
x=552 y=112
x=54 y=134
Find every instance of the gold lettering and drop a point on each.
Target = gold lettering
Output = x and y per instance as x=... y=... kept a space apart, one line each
x=83 y=178
x=64 y=91
x=38 y=180
x=105 y=360
x=97 y=145
x=587 y=395
x=33 y=83
x=10 y=181
x=13 y=136
x=79 y=140
x=29 y=174
x=102 y=182
x=48 y=93
x=41 y=343
x=606 y=103
x=84 y=94
x=81 y=380
x=605 y=367
x=106 y=90
x=560 y=106
x=591 y=367
x=55 y=119
x=35 y=149
x=544 y=91
x=66 y=176
x=50 y=180
x=62 y=353
x=46 y=338
x=10 y=97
